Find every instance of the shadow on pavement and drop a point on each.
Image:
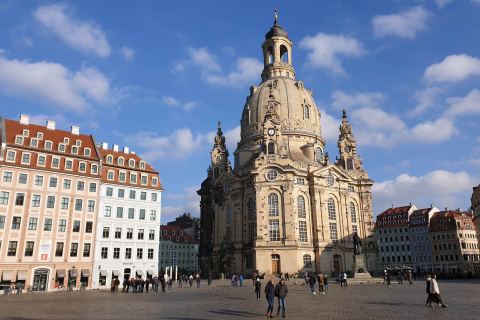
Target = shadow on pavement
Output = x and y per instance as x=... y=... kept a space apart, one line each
x=236 y=313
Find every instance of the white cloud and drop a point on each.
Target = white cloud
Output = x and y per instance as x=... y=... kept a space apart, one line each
x=329 y=126
x=405 y=24
x=247 y=70
x=128 y=53
x=453 y=68
x=86 y=36
x=41 y=119
x=468 y=105
x=440 y=188
x=343 y=100
x=200 y=58
x=327 y=51
x=434 y=131
x=442 y=3
x=54 y=83
x=425 y=99
x=186 y=202
x=172 y=102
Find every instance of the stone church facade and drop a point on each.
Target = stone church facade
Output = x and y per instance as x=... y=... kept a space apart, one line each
x=284 y=206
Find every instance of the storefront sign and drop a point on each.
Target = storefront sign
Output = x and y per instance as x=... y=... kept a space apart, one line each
x=45 y=249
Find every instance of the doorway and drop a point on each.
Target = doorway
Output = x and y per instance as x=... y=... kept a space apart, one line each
x=40 y=279
x=337 y=263
x=126 y=274
x=276 y=264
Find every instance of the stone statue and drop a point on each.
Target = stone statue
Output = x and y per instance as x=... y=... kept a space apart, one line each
x=357 y=244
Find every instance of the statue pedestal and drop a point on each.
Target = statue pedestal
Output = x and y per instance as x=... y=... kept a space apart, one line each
x=360 y=272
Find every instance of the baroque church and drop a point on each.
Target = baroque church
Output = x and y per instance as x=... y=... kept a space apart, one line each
x=284 y=206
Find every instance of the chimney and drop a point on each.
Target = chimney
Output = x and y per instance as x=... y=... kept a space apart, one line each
x=115 y=147
x=50 y=124
x=75 y=130
x=133 y=152
x=24 y=119
x=105 y=145
x=126 y=150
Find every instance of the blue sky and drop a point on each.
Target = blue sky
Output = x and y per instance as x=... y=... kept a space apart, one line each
x=157 y=76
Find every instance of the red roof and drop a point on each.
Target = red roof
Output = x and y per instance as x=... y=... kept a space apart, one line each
x=175 y=234
x=393 y=217
x=451 y=220
x=419 y=217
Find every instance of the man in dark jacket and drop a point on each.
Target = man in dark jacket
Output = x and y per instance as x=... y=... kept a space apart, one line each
x=281 y=291
x=270 y=295
x=258 y=286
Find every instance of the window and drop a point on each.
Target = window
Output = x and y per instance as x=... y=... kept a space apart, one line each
x=66 y=184
x=69 y=164
x=121 y=176
x=333 y=231
x=62 y=225
x=91 y=205
x=302 y=231
x=16 y=223
x=53 y=182
x=22 y=178
x=273 y=204
x=2 y=222
x=18 y=140
x=139 y=253
x=86 y=249
x=121 y=193
x=12 y=249
x=73 y=249
x=140 y=234
x=51 y=202
x=118 y=233
x=271 y=148
x=108 y=211
x=35 y=200
x=109 y=159
x=33 y=143
x=150 y=254
x=121 y=161
x=129 y=233
x=41 y=161
x=301 y=207
x=141 y=215
x=153 y=215
x=332 y=215
x=132 y=194
x=4 y=197
x=59 y=249
x=48 y=145
x=154 y=181
x=143 y=179
x=307 y=261
x=94 y=169
x=128 y=253
x=47 y=224
x=318 y=154
x=32 y=223
x=39 y=181
x=29 y=248
x=88 y=227
x=80 y=185
x=76 y=226
x=119 y=212
x=26 y=158
x=274 y=230
x=78 y=204
x=133 y=178
x=116 y=253
x=55 y=163
x=143 y=195
x=154 y=196
x=272 y=174
x=330 y=180
x=64 y=203
x=353 y=212
x=74 y=149
x=131 y=163
x=106 y=232
x=349 y=164
x=354 y=228
x=104 y=253
x=151 y=234
x=131 y=213
x=87 y=152
x=109 y=192
x=11 y=156
x=142 y=165
x=306 y=112
x=19 y=199
x=7 y=176
x=110 y=175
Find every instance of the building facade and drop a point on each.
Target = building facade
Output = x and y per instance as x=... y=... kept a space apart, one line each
x=128 y=220
x=189 y=224
x=419 y=235
x=454 y=243
x=179 y=250
x=393 y=237
x=284 y=207
x=48 y=202
x=475 y=200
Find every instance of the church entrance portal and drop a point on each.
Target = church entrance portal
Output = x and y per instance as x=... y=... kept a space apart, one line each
x=276 y=264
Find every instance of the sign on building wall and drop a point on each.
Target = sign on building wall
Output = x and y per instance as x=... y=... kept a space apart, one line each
x=45 y=250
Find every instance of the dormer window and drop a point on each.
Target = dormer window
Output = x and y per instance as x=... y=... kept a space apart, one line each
x=78 y=143
x=82 y=167
x=121 y=176
x=144 y=179
x=66 y=140
x=121 y=161
x=142 y=165
x=94 y=169
x=19 y=140
x=87 y=152
x=25 y=133
x=154 y=181
x=109 y=159
x=133 y=178
x=48 y=145
x=68 y=164
x=26 y=158
x=131 y=163
x=74 y=150
x=33 y=143
x=11 y=156
x=41 y=160
x=40 y=135
x=61 y=147
x=110 y=175
x=55 y=162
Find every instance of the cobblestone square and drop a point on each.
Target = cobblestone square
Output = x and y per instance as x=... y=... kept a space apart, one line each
x=220 y=301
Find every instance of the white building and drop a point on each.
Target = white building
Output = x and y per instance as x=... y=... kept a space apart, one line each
x=128 y=221
x=421 y=247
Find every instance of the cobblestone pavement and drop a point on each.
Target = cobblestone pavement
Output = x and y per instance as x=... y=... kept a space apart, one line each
x=221 y=301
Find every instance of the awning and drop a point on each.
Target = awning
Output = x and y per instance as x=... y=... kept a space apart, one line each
x=7 y=275
x=103 y=273
x=85 y=273
x=60 y=273
x=116 y=273
x=73 y=272
x=139 y=273
x=21 y=275
x=150 y=273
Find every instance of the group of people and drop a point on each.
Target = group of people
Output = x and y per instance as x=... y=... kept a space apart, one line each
x=15 y=288
x=138 y=285
x=190 y=279
x=433 y=292
x=237 y=280
x=321 y=279
x=407 y=275
x=279 y=291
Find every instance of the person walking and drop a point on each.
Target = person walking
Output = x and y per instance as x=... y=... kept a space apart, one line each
x=311 y=283
x=270 y=295
x=428 y=303
x=198 y=280
x=343 y=281
x=209 y=279
x=258 y=287
x=436 y=292
x=399 y=277
x=281 y=291
x=325 y=283
x=321 y=283
x=240 y=279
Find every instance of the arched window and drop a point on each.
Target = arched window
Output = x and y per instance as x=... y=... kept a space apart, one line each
x=307 y=261
x=306 y=112
x=271 y=148
x=269 y=56
x=121 y=161
x=318 y=154
x=142 y=165
x=109 y=159
x=251 y=209
x=272 y=204
x=301 y=207
x=349 y=164
x=332 y=215
x=353 y=212
x=283 y=54
x=131 y=163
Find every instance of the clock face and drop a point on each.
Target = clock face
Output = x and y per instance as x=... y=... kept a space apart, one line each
x=271 y=131
x=347 y=148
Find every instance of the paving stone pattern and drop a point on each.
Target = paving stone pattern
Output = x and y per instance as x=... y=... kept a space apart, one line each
x=221 y=301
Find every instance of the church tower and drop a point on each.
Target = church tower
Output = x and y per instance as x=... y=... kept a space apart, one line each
x=284 y=207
